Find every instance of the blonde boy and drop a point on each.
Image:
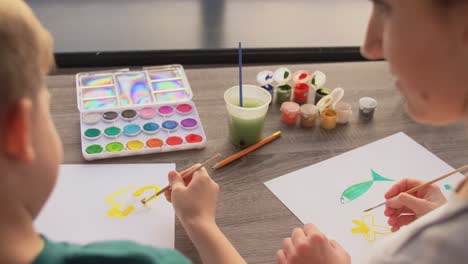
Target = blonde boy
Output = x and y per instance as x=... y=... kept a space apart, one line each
x=31 y=151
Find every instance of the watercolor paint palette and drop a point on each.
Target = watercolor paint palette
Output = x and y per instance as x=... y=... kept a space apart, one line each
x=126 y=113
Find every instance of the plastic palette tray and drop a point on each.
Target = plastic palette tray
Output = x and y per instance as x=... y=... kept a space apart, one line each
x=125 y=113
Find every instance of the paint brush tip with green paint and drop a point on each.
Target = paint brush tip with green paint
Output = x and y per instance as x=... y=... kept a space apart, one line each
x=357 y=190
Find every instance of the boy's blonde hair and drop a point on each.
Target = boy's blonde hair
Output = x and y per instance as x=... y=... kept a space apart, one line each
x=25 y=52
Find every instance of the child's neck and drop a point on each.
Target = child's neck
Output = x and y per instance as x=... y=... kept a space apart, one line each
x=19 y=242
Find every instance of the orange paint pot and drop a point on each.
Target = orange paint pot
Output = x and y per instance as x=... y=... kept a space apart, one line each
x=328 y=119
x=290 y=112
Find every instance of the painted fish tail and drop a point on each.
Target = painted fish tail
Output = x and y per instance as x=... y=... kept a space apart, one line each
x=378 y=177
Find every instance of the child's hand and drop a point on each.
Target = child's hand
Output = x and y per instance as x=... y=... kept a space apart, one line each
x=309 y=245
x=403 y=208
x=194 y=200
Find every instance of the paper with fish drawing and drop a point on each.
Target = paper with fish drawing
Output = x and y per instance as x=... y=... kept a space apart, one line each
x=92 y=203
x=333 y=194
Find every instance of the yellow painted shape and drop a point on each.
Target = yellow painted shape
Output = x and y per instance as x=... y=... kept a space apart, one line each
x=369 y=229
x=117 y=210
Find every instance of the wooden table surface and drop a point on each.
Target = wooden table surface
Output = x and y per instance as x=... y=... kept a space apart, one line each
x=248 y=213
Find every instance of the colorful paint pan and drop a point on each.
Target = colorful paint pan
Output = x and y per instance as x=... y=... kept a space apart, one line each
x=94 y=149
x=91 y=118
x=184 y=109
x=154 y=143
x=115 y=147
x=167 y=85
x=92 y=133
x=174 y=141
x=129 y=114
x=112 y=132
x=151 y=128
x=125 y=113
x=133 y=89
x=110 y=116
x=92 y=93
x=189 y=123
x=96 y=80
x=132 y=130
x=166 y=110
x=99 y=103
x=170 y=125
x=163 y=74
x=148 y=113
x=135 y=145
x=194 y=138
x=171 y=96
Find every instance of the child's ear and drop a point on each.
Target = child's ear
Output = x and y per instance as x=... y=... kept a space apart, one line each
x=18 y=131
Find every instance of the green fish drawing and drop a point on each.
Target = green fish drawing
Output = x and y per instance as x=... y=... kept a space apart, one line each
x=357 y=190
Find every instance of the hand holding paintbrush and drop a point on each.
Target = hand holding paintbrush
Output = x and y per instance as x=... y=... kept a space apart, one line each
x=186 y=174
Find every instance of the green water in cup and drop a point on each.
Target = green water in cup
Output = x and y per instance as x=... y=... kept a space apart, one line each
x=245 y=132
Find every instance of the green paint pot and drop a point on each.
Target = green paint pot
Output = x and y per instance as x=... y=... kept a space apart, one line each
x=92 y=133
x=94 y=149
x=112 y=132
x=114 y=147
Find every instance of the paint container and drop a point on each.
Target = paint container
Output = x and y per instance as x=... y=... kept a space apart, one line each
x=343 y=112
x=318 y=80
x=328 y=118
x=151 y=128
x=184 y=109
x=290 y=113
x=301 y=88
x=91 y=118
x=283 y=90
x=265 y=80
x=166 y=110
x=320 y=93
x=170 y=125
x=148 y=113
x=283 y=94
x=110 y=116
x=112 y=132
x=367 y=106
x=309 y=113
x=122 y=112
x=129 y=115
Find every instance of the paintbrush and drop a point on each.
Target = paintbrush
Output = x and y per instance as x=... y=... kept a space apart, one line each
x=422 y=186
x=185 y=174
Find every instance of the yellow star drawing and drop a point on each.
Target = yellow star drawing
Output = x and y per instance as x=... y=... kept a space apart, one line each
x=369 y=229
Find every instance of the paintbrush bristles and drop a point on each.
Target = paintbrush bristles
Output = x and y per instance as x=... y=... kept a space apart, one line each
x=185 y=174
x=417 y=188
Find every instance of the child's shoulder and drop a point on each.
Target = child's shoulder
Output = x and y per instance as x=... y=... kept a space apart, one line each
x=107 y=252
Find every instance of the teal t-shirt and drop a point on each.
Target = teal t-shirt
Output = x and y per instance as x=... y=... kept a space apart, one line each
x=114 y=252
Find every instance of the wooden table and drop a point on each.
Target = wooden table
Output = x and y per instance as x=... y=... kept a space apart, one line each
x=248 y=213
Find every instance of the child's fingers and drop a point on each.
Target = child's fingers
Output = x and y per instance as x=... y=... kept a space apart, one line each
x=402 y=186
x=403 y=220
x=281 y=257
x=297 y=236
x=310 y=229
x=168 y=195
x=288 y=247
x=175 y=180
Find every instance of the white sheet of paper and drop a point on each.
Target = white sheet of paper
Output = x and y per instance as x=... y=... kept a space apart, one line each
x=313 y=193
x=77 y=209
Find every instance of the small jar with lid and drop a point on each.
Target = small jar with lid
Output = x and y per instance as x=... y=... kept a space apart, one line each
x=309 y=113
x=290 y=112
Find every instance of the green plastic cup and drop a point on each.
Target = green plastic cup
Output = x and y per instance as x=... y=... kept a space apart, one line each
x=246 y=123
